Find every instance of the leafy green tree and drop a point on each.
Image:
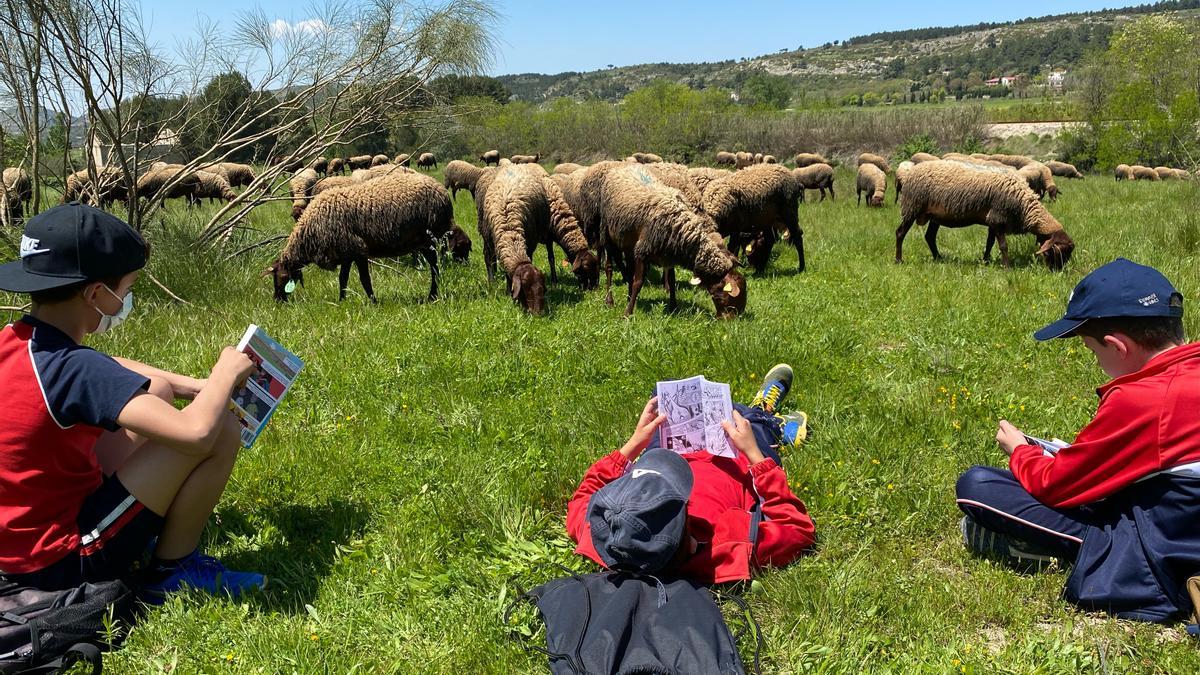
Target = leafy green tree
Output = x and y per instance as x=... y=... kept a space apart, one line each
x=769 y=92
x=226 y=104
x=453 y=87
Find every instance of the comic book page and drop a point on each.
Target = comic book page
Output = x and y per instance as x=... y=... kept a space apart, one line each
x=275 y=369
x=695 y=408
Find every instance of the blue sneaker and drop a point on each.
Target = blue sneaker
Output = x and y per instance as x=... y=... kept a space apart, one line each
x=795 y=429
x=775 y=386
x=1007 y=550
x=201 y=572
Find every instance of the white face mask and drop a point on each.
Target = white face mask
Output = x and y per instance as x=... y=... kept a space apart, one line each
x=109 y=322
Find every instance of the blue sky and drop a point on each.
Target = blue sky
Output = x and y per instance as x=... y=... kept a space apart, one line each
x=551 y=37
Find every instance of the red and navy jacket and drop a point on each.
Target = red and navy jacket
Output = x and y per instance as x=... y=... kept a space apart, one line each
x=1133 y=474
x=57 y=398
x=719 y=515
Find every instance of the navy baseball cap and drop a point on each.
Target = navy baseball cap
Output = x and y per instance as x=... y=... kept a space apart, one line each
x=1121 y=288
x=637 y=521
x=71 y=243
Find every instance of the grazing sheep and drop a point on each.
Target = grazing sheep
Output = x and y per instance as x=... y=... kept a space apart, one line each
x=567 y=168
x=403 y=159
x=490 y=158
x=1167 y=173
x=182 y=183
x=360 y=162
x=1123 y=172
x=398 y=214
x=951 y=195
x=17 y=188
x=1040 y=179
x=427 y=160
x=320 y=165
x=1144 y=173
x=901 y=172
x=919 y=157
x=238 y=175
x=873 y=181
x=377 y=160
x=458 y=243
x=212 y=186
x=743 y=160
x=110 y=186
x=460 y=175
x=808 y=159
x=337 y=165
x=770 y=159
x=364 y=175
x=526 y=159
x=726 y=158
x=583 y=193
x=869 y=158
x=701 y=176
x=758 y=158
x=1182 y=174
x=514 y=217
x=649 y=223
x=815 y=177
x=1063 y=170
x=646 y=158
x=1015 y=161
x=330 y=182
x=565 y=228
x=300 y=185
x=752 y=205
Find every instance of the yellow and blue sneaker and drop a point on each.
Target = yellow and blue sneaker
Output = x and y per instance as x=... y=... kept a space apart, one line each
x=775 y=386
x=794 y=429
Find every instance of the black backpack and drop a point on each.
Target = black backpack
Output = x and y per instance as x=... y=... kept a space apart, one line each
x=48 y=631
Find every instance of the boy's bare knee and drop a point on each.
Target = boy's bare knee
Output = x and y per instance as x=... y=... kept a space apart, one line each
x=229 y=441
x=162 y=389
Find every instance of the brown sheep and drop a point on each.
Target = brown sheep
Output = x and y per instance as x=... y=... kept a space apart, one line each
x=1144 y=173
x=951 y=195
x=758 y=158
x=1040 y=179
x=567 y=168
x=873 y=181
x=490 y=158
x=868 y=158
x=1015 y=161
x=110 y=186
x=211 y=186
x=743 y=160
x=526 y=159
x=1123 y=172
x=337 y=165
x=403 y=159
x=769 y=159
x=568 y=234
x=647 y=158
x=361 y=162
x=1166 y=173
x=378 y=160
x=299 y=188
x=726 y=158
x=901 y=172
x=752 y=205
x=427 y=160
x=649 y=223
x=919 y=157
x=460 y=175
x=17 y=189
x=815 y=177
x=169 y=181
x=808 y=159
x=514 y=218
x=1063 y=170
x=395 y=215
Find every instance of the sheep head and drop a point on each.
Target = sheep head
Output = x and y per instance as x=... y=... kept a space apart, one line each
x=729 y=294
x=529 y=289
x=1053 y=192
x=586 y=269
x=875 y=200
x=297 y=209
x=758 y=250
x=285 y=279
x=460 y=245
x=1056 y=249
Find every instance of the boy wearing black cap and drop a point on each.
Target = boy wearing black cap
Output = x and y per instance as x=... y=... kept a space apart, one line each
x=707 y=518
x=1121 y=503
x=96 y=464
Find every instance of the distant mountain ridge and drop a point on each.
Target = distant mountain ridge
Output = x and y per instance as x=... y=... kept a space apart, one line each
x=1027 y=46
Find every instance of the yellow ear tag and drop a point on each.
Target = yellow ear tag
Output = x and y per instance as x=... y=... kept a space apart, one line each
x=695 y=281
x=728 y=288
x=786 y=235
x=749 y=248
x=732 y=290
x=566 y=264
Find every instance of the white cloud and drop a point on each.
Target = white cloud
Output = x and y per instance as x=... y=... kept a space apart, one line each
x=281 y=28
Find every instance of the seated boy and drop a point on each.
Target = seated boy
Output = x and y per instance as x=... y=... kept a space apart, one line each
x=1121 y=503
x=96 y=464
x=701 y=516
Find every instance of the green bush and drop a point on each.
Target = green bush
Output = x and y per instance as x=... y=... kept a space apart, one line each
x=917 y=143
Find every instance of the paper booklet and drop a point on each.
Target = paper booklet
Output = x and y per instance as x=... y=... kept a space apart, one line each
x=1049 y=447
x=275 y=370
x=695 y=408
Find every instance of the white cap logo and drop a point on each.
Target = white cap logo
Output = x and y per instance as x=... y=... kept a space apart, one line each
x=638 y=473
x=1151 y=299
x=29 y=246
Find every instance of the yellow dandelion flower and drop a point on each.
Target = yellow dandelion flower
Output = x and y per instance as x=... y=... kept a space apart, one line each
x=314 y=637
x=874 y=461
x=891 y=486
x=955 y=662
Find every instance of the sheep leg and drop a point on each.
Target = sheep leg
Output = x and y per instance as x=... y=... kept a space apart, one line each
x=434 y=272
x=831 y=195
x=669 y=285
x=364 y=275
x=987 y=250
x=798 y=241
x=901 y=233
x=931 y=231
x=343 y=280
x=489 y=259
x=608 y=267
x=635 y=285
x=1002 y=241
x=550 y=257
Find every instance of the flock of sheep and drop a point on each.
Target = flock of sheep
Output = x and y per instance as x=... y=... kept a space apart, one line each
x=628 y=214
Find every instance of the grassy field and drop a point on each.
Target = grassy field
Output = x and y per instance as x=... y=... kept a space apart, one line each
x=428 y=451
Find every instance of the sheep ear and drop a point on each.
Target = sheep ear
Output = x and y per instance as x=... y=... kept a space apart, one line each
x=1045 y=247
x=268 y=272
x=516 y=287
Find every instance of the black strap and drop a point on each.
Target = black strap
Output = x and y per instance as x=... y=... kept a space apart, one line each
x=82 y=652
x=575 y=660
x=759 y=641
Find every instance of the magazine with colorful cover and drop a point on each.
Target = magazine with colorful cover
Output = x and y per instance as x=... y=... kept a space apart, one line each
x=275 y=369
x=695 y=409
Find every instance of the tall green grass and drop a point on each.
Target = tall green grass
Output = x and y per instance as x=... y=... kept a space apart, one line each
x=428 y=451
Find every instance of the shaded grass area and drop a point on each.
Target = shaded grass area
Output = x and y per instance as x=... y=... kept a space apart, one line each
x=427 y=452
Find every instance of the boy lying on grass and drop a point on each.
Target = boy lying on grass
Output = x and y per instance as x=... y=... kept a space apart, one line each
x=701 y=516
x=1122 y=502
x=96 y=465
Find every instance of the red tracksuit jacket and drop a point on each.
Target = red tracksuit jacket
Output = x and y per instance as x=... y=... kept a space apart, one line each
x=723 y=494
x=1148 y=421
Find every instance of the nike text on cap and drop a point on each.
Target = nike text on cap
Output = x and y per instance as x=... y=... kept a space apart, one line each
x=1119 y=289
x=637 y=521
x=72 y=243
